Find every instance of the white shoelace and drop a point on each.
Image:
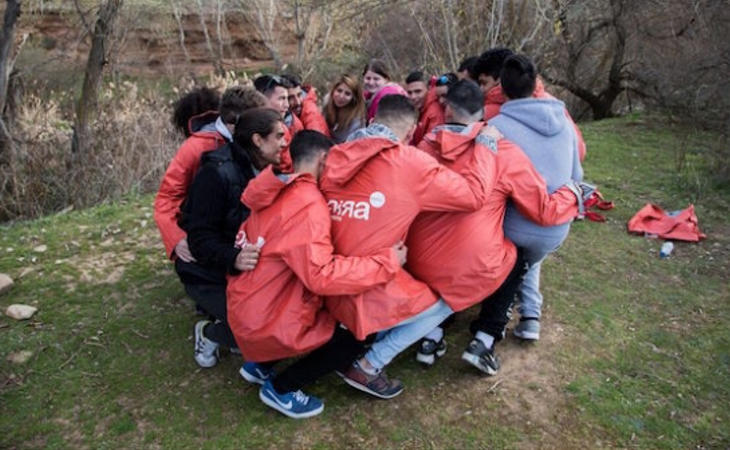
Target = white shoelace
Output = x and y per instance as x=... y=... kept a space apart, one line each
x=301 y=397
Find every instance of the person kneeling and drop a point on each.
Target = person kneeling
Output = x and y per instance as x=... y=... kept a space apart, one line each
x=275 y=311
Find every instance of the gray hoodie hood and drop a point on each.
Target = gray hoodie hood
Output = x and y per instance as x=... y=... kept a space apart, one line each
x=545 y=116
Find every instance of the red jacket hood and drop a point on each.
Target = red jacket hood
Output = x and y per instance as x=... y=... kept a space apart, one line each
x=262 y=191
x=196 y=123
x=345 y=160
x=452 y=145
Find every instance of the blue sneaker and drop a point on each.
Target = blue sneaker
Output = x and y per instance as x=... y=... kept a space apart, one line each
x=296 y=405
x=255 y=373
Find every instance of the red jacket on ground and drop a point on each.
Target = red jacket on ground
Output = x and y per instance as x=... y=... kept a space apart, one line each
x=179 y=175
x=311 y=117
x=275 y=311
x=375 y=188
x=495 y=99
x=431 y=115
x=465 y=256
x=682 y=225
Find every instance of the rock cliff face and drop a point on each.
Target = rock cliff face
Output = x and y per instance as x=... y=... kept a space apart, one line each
x=153 y=45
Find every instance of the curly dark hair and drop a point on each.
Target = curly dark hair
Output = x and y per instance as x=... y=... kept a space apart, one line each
x=197 y=101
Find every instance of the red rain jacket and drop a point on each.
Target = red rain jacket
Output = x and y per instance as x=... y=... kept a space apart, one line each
x=275 y=311
x=375 y=188
x=682 y=226
x=465 y=256
x=495 y=98
x=311 y=117
x=177 y=179
x=431 y=115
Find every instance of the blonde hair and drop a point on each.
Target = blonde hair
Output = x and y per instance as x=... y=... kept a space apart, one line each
x=342 y=118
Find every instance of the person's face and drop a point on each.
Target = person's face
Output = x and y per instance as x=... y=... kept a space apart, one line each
x=463 y=75
x=487 y=82
x=278 y=100
x=416 y=93
x=295 y=100
x=270 y=146
x=372 y=81
x=342 y=95
x=441 y=92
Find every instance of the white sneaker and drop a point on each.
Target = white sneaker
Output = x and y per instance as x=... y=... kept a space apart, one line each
x=206 y=351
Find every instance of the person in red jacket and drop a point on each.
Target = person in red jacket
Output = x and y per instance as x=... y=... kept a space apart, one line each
x=425 y=99
x=276 y=90
x=375 y=187
x=487 y=70
x=275 y=311
x=198 y=101
x=303 y=104
x=208 y=131
x=465 y=257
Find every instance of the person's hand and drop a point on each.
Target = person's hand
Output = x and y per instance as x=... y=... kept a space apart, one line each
x=491 y=131
x=402 y=252
x=183 y=251
x=248 y=257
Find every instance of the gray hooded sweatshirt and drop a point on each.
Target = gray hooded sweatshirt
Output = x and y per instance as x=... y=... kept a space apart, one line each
x=541 y=129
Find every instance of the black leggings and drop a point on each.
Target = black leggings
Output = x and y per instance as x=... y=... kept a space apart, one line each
x=493 y=316
x=337 y=354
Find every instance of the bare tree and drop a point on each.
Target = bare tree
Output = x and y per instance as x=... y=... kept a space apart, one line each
x=216 y=55
x=7 y=37
x=181 y=29
x=87 y=104
x=592 y=56
x=262 y=14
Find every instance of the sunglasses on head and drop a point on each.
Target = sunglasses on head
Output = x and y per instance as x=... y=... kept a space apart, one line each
x=274 y=80
x=445 y=80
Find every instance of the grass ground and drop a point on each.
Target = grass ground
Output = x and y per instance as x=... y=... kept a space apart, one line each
x=635 y=350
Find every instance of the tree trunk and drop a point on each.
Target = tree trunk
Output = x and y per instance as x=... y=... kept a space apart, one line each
x=7 y=37
x=88 y=102
x=181 y=30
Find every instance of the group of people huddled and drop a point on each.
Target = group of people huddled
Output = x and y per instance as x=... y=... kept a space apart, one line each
x=342 y=235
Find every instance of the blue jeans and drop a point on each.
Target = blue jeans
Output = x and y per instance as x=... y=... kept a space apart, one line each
x=536 y=249
x=389 y=343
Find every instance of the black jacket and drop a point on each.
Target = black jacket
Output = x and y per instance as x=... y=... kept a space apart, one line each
x=212 y=214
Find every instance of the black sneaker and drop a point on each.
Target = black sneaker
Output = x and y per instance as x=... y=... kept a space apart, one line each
x=429 y=351
x=481 y=357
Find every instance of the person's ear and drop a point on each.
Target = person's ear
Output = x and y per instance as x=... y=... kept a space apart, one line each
x=411 y=131
x=257 y=140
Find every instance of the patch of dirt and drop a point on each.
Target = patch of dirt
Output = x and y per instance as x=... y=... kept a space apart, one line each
x=532 y=385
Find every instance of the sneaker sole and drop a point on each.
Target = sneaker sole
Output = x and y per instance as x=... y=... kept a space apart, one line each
x=366 y=389
x=429 y=359
x=527 y=336
x=474 y=361
x=206 y=364
x=250 y=378
x=272 y=404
